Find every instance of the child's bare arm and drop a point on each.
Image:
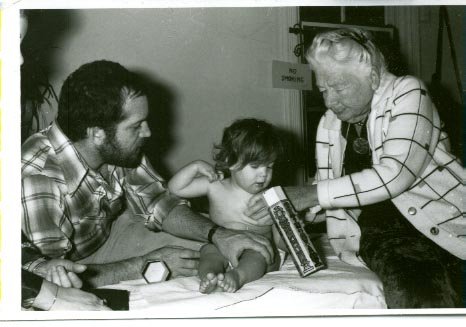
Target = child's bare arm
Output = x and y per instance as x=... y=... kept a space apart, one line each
x=193 y=180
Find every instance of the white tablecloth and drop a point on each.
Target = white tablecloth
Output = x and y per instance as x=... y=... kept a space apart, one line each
x=280 y=293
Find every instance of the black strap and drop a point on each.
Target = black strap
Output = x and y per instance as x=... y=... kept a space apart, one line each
x=211 y=233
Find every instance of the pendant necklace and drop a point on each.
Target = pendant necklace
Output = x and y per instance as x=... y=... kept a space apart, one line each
x=360 y=144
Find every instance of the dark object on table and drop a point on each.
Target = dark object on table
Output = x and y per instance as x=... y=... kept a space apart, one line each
x=115 y=299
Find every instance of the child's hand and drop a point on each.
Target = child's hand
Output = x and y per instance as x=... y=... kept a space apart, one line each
x=207 y=170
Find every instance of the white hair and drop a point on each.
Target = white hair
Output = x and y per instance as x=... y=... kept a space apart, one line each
x=346 y=46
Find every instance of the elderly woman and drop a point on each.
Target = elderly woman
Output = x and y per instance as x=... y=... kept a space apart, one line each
x=392 y=192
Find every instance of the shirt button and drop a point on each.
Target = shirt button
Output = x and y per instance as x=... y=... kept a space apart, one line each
x=434 y=231
x=412 y=211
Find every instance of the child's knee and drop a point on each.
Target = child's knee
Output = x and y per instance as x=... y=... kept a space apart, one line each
x=209 y=248
x=260 y=260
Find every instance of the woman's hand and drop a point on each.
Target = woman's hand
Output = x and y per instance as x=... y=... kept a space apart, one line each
x=257 y=211
x=301 y=197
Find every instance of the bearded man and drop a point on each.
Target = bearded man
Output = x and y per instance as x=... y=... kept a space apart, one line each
x=89 y=194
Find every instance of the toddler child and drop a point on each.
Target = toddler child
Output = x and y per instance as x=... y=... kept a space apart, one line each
x=246 y=157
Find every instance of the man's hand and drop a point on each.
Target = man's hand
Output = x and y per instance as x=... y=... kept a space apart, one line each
x=180 y=261
x=74 y=299
x=61 y=272
x=258 y=211
x=232 y=244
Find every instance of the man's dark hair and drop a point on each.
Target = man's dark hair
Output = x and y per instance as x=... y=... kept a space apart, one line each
x=93 y=96
x=248 y=141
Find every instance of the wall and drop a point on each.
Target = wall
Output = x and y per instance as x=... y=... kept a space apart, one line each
x=209 y=66
x=417 y=28
x=428 y=24
x=447 y=93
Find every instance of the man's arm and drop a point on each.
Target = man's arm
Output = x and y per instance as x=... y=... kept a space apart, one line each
x=43 y=220
x=180 y=262
x=172 y=214
x=185 y=223
x=112 y=273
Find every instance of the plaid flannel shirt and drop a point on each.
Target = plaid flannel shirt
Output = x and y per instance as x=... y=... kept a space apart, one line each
x=412 y=166
x=68 y=208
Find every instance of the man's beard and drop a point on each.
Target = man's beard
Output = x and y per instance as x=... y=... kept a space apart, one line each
x=112 y=153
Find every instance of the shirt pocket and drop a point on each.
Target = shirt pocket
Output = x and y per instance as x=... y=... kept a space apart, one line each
x=96 y=208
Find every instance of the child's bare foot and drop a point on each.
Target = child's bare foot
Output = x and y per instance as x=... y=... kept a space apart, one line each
x=208 y=283
x=230 y=282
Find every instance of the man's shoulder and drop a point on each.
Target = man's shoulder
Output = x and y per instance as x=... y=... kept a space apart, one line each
x=37 y=156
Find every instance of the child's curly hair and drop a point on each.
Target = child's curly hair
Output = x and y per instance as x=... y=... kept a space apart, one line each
x=247 y=141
